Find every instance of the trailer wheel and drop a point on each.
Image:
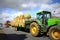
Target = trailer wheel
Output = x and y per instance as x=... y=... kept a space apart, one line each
x=34 y=29
x=54 y=33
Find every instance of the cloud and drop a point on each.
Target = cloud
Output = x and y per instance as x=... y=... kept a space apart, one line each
x=51 y=7
x=16 y=14
x=29 y=5
x=57 y=13
x=21 y=4
x=4 y=16
x=7 y=16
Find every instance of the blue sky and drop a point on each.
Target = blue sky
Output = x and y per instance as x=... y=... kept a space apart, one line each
x=54 y=1
x=11 y=8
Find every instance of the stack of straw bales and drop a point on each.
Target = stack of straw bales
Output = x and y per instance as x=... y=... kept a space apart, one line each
x=20 y=20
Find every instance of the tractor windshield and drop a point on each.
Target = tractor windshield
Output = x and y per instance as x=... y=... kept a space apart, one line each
x=39 y=16
x=45 y=15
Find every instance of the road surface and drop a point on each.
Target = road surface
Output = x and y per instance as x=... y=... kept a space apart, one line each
x=10 y=34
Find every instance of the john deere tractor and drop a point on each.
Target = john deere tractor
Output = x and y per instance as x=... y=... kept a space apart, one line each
x=46 y=24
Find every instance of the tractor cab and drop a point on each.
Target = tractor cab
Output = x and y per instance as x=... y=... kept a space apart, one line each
x=44 y=16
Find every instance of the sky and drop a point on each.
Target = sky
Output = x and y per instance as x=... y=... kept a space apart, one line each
x=9 y=9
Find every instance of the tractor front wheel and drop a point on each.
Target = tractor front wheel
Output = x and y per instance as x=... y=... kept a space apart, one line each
x=34 y=29
x=54 y=33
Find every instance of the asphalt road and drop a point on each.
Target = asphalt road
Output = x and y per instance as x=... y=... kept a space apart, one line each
x=10 y=34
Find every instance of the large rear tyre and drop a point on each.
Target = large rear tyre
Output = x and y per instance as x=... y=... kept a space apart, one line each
x=54 y=33
x=34 y=29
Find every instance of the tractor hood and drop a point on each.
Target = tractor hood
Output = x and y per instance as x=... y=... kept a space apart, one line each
x=53 y=21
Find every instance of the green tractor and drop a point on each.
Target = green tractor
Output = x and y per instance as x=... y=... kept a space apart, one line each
x=46 y=24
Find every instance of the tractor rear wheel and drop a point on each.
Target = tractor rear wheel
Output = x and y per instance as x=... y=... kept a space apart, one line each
x=34 y=29
x=54 y=33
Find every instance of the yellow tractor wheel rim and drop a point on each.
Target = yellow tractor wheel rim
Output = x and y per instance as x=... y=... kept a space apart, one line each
x=33 y=29
x=55 y=34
